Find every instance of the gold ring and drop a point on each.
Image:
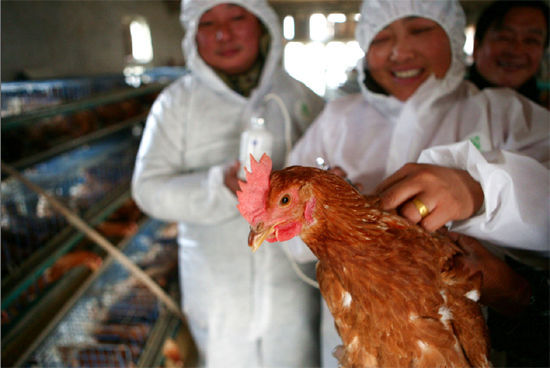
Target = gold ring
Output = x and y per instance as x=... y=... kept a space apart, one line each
x=421 y=207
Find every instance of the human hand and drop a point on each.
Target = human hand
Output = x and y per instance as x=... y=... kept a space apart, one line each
x=230 y=178
x=475 y=258
x=449 y=194
x=502 y=288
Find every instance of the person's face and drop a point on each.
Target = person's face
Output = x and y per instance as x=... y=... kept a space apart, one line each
x=510 y=54
x=228 y=38
x=406 y=52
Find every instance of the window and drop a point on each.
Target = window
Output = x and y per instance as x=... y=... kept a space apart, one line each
x=337 y=18
x=140 y=45
x=326 y=61
x=288 y=27
x=469 y=44
x=318 y=27
x=321 y=66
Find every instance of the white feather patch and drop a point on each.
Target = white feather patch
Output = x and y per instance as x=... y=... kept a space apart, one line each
x=422 y=345
x=354 y=343
x=346 y=299
x=445 y=314
x=472 y=295
x=457 y=346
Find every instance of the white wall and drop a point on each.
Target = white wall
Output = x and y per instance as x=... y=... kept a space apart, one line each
x=53 y=38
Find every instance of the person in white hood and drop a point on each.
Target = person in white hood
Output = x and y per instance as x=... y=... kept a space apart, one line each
x=431 y=144
x=244 y=309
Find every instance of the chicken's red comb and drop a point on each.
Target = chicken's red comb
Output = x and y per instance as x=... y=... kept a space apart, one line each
x=253 y=193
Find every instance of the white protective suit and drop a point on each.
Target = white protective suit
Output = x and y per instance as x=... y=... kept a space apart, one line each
x=244 y=309
x=498 y=136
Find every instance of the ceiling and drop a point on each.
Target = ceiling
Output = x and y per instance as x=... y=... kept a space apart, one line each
x=315 y=6
x=472 y=8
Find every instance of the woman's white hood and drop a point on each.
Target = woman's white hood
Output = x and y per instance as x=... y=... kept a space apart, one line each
x=377 y=14
x=192 y=10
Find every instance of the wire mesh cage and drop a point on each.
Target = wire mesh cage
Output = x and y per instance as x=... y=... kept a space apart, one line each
x=99 y=355
x=110 y=324
x=80 y=178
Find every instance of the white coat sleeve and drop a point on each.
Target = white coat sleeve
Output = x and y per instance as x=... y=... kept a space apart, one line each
x=516 y=198
x=512 y=171
x=161 y=185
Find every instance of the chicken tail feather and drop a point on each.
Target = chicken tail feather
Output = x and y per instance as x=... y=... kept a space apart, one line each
x=468 y=324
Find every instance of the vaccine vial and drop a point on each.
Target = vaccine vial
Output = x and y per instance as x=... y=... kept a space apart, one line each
x=256 y=140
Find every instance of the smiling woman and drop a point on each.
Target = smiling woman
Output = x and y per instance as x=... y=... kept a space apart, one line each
x=399 y=60
x=409 y=136
x=510 y=40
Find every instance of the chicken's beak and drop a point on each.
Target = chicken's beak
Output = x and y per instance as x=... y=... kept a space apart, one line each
x=257 y=236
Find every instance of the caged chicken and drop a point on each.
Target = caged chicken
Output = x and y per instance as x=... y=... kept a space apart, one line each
x=397 y=293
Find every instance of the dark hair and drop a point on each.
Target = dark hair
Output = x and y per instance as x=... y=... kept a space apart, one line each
x=495 y=13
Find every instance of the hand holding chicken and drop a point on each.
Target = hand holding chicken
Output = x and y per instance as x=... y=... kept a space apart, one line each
x=396 y=293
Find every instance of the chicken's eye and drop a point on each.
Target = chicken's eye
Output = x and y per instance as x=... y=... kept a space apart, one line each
x=285 y=200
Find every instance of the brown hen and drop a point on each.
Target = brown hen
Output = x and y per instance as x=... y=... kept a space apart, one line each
x=397 y=298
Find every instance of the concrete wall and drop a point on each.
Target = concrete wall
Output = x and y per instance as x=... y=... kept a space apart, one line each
x=53 y=38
